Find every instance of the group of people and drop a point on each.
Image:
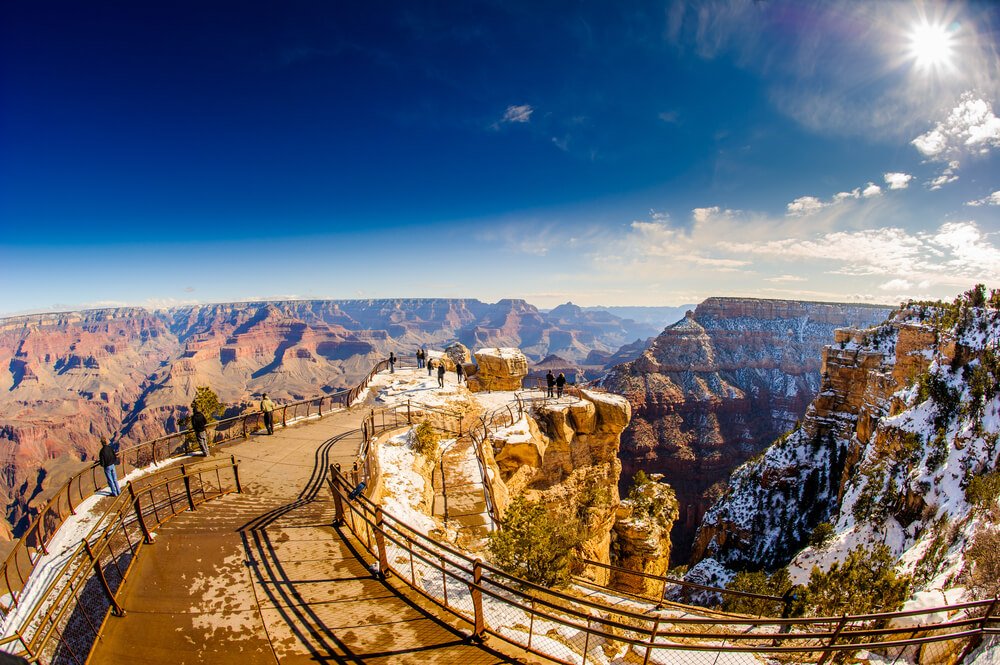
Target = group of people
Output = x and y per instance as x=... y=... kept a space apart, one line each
x=555 y=382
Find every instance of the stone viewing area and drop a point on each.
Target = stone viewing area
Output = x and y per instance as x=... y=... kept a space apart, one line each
x=295 y=563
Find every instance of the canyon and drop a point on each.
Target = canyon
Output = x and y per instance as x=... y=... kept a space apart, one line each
x=715 y=388
x=129 y=373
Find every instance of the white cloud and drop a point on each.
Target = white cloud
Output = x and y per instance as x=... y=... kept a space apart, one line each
x=946 y=177
x=805 y=205
x=871 y=190
x=897 y=180
x=784 y=279
x=971 y=127
x=991 y=200
x=517 y=113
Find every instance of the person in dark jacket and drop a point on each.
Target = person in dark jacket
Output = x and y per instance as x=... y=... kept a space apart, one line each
x=107 y=458
x=430 y=367
x=392 y=362
x=199 y=423
x=460 y=372
x=440 y=374
x=420 y=358
x=560 y=383
x=550 y=381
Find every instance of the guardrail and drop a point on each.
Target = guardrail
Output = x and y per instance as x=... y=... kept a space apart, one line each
x=68 y=617
x=573 y=630
x=21 y=561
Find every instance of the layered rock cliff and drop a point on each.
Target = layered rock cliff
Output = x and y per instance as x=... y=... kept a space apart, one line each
x=128 y=373
x=564 y=453
x=718 y=386
x=899 y=448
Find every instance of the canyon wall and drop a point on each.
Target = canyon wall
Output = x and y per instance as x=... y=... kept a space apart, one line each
x=130 y=374
x=717 y=387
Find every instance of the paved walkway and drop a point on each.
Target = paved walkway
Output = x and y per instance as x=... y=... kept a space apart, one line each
x=262 y=577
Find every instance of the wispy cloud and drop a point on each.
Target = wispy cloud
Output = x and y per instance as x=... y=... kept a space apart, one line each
x=991 y=200
x=946 y=177
x=517 y=114
x=808 y=205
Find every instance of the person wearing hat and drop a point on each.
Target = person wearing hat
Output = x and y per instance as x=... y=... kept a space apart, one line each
x=267 y=408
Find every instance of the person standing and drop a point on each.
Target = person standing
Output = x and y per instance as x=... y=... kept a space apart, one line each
x=440 y=374
x=199 y=424
x=459 y=372
x=420 y=359
x=392 y=362
x=560 y=383
x=430 y=366
x=550 y=381
x=107 y=458
x=267 y=408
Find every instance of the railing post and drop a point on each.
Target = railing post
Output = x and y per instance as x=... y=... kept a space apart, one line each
x=338 y=501
x=383 y=556
x=586 y=643
x=236 y=474
x=245 y=434
x=187 y=486
x=444 y=490
x=833 y=638
x=116 y=609
x=284 y=413
x=320 y=407
x=69 y=497
x=479 y=627
x=409 y=419
x=138 y=514
x=652 y=641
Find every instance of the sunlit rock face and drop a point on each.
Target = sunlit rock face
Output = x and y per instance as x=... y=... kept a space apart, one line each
x=499 y=369
x=565 y=455
x=130 y=374
x=717 y=387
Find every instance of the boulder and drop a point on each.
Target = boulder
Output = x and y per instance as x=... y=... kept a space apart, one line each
x=499 y=369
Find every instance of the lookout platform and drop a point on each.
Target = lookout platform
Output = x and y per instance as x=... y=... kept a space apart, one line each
x=263 y=577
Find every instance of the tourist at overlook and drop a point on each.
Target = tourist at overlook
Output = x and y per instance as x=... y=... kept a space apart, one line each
x=440 y=374
x=198 y=424
x=560 y=384
x=459 y=372
x=550 y=381
x=420 y=358
x=267 y=408
x=107 y=458
x=430 y=366
x=392 y=362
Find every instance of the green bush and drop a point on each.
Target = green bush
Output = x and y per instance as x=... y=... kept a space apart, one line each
x=865 y=583
x=775 y=584
x=983 y=490
x=533 y=545
x=652 y=500
x=425 y=439
x=982 y=560
x=821 y=535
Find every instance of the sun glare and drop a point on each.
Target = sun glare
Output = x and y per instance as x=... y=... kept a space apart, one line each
x=931 y=45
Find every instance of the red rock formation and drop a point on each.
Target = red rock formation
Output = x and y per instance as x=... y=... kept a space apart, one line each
x=717 y=387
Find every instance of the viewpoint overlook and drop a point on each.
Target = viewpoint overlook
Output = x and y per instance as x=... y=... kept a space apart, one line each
x=392 y=521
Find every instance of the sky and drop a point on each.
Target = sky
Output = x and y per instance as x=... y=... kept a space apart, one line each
x=636 y=153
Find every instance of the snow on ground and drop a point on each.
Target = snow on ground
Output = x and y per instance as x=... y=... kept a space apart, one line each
x=404 y=486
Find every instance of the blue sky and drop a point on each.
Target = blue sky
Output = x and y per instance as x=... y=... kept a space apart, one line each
x=649 y=153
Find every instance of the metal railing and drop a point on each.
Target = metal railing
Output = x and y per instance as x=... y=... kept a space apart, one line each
x=68 y=617
x=569 y=629
x=33 y=544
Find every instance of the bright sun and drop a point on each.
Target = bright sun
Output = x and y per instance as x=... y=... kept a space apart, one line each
x=930 y=45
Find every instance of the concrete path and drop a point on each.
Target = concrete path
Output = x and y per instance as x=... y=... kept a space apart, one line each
x=262 y=577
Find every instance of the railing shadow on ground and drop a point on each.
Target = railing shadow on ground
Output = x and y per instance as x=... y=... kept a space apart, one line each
x=51 y=606
x=68 y=617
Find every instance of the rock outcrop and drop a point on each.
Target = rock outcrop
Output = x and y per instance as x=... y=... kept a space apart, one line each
x=717 y=387
x=499 y=369
x=641 y=538
x=906 y=418
x=565 y=454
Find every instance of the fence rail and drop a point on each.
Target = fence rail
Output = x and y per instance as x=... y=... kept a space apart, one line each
x=20 y=563
x=569 y=629
x=68 y=617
